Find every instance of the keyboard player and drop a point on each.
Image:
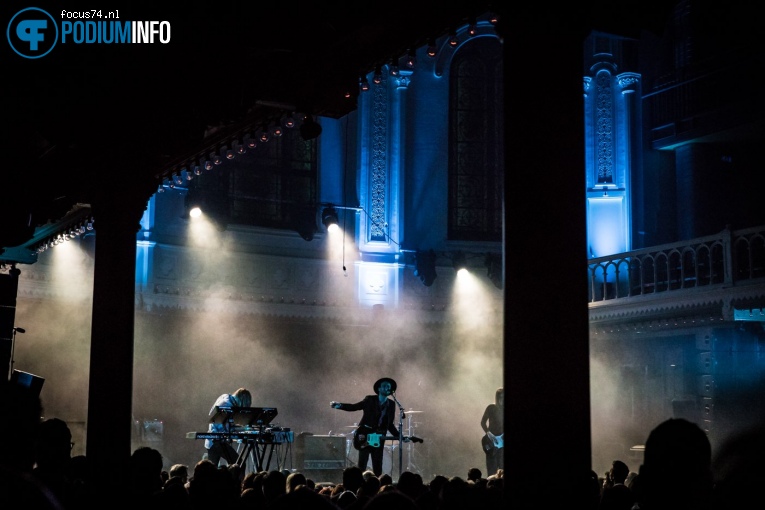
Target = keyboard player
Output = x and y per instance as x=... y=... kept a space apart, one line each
x=218 y=449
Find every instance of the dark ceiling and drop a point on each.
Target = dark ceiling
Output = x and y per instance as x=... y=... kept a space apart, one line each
x=90 y=123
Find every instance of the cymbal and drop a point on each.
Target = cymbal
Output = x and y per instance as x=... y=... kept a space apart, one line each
x=351 y=426
x=410 y=412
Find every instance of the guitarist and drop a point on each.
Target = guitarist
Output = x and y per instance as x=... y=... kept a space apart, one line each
x=379 y=418
x=493 y=440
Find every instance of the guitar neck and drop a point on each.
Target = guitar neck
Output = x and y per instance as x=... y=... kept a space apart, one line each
x=404 y=438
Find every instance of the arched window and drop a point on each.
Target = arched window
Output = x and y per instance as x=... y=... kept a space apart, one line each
x=276 y=182
x=476 y=158
x=273 y=185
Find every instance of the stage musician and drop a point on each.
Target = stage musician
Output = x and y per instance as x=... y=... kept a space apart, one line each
x=493 y=442
x=378 y=419
x=218 y=449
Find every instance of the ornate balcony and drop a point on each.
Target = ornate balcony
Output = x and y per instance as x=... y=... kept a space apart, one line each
x=698 y=281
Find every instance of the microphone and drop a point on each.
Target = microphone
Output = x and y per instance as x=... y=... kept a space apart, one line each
x=20 y=330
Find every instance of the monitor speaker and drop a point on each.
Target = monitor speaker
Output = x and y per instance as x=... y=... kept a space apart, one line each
x=31 y=381
x=320 y=452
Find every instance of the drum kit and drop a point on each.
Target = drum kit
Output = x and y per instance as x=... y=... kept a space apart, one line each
x=390 y=446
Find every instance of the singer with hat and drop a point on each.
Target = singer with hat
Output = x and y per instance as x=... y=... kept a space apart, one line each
x=378 y=419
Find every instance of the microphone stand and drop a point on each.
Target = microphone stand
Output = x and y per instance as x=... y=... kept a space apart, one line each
x=400 y=434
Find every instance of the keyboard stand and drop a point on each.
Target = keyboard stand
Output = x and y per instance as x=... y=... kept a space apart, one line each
x=257 y=452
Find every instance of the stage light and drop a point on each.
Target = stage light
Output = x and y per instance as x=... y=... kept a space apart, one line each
x=432 y=48
x=425 y=267
x=194 y=203
x=194 y=209
x=209 y=204
x=453 y=41
x=393 y=67
x=472 y=28
x=329 y=219
x=309 y=129
x=459 y=261
x=363 y=83
x=411 y=59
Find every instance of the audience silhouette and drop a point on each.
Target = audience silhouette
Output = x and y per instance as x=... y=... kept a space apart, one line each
x=738 y=469
x=616 y=495
x=53 y=458
x=676 y=470
x=20 y=418
x=145 y=482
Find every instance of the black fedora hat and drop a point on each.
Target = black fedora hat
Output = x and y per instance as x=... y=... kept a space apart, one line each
x=384 y=379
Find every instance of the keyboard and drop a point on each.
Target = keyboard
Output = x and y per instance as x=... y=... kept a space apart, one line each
x=266 y=436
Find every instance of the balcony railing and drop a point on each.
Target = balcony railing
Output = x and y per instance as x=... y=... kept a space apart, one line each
x=724 y=258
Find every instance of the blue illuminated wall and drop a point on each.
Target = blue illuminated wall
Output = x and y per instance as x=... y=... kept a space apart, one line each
x=386 y=169
x=612 y=124
x=403 y=160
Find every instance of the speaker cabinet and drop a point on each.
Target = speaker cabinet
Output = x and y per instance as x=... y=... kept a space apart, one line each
x=31 y=381
x=686 y=409
x=320 y=452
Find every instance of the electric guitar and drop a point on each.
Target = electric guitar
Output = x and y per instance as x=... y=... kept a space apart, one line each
x=364 y=439
x=488 y=445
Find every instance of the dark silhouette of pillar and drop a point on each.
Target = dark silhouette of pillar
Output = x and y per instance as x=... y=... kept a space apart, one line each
x=110 y=392
x=546 y=344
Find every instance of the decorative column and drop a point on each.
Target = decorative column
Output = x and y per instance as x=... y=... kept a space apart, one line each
x=612 y=146
x=145 y=248
x=382 y=147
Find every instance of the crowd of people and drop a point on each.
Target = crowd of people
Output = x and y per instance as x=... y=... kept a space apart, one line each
x=39 y=471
